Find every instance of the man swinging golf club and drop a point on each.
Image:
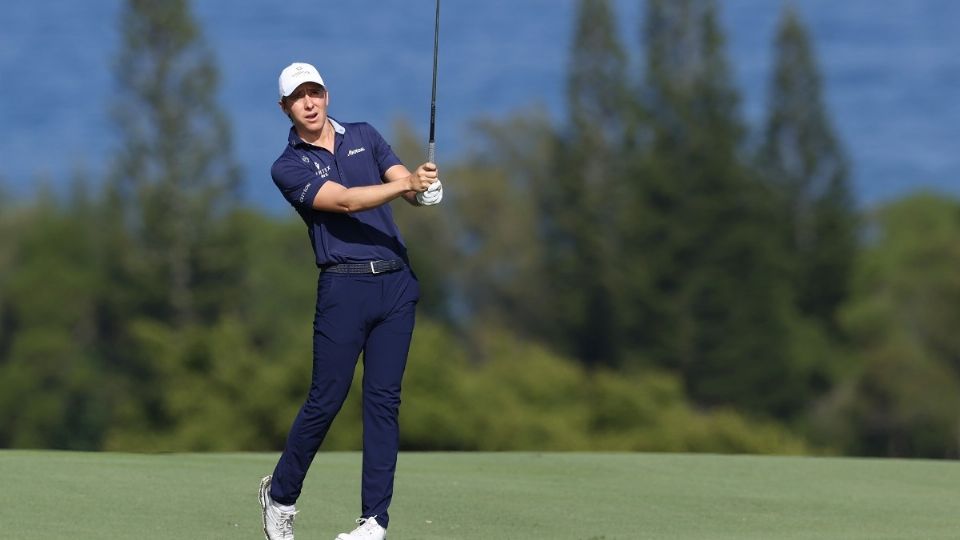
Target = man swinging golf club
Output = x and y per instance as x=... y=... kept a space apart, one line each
x=340 y=178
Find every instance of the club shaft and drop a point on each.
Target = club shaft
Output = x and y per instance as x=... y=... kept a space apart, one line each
x=433 y=96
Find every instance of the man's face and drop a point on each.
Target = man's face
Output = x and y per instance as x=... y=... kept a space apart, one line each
x=307 y=106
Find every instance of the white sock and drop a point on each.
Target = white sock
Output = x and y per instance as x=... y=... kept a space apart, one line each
x=284 y=508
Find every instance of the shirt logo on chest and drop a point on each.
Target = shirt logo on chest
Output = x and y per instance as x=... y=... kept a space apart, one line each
x=356 y=151
x=322 y=172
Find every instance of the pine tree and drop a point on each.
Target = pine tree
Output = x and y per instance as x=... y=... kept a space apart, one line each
x=806 y=164
x=172 y=249
x=716 y=297
x=175 y=178
x=582 y=201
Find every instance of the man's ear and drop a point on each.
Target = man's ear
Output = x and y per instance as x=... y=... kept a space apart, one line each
x=284 y=109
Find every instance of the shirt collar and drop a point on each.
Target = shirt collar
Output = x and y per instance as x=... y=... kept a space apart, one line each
x=295 y=139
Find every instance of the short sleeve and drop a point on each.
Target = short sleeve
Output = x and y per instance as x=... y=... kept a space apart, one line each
x=298 y=184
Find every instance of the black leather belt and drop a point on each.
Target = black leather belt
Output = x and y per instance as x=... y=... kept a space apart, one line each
x=369 y=267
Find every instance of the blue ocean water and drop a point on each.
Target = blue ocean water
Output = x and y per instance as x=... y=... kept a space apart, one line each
x=891 y=70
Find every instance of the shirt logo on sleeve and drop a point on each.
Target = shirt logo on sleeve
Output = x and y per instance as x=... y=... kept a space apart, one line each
x=303 y=193
x=356 y=151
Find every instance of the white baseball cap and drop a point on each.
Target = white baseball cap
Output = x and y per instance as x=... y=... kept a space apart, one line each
x=296 y=74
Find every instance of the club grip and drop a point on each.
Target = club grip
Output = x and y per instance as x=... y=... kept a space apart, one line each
x=432 y=152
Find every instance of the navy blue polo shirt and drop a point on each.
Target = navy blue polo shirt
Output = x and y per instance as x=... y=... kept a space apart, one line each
x=360 y=158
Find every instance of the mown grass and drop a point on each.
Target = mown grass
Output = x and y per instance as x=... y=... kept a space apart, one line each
x=49 y=494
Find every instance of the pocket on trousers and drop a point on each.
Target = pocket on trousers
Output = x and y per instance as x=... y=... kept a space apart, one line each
x=326 y=294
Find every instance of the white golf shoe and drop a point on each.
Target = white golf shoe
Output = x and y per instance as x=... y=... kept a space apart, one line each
x=277 y=524
x=369 y=529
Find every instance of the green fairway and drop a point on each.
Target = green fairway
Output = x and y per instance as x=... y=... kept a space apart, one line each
x=487 y=496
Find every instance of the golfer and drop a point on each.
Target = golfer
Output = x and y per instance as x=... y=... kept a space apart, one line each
x=340 y=178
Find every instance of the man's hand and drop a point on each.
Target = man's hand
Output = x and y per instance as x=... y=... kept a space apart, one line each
x=423 y=177
x=433 y=195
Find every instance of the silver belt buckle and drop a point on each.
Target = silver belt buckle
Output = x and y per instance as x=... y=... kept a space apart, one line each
x=372 y=269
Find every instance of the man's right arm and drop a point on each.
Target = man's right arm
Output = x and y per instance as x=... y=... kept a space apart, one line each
x=335 y=197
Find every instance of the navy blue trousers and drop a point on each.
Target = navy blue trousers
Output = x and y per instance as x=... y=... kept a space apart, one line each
x=373 y=314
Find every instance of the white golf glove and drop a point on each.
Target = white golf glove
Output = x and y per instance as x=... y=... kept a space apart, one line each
x=433 y=195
